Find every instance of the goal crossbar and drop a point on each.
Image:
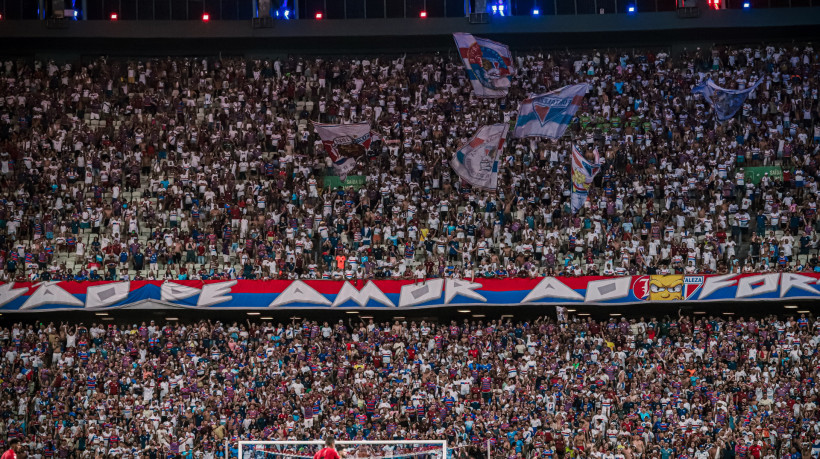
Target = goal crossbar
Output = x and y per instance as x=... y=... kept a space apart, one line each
x=441 y=443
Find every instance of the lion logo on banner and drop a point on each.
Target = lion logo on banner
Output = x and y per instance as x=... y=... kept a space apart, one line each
x=666 y=288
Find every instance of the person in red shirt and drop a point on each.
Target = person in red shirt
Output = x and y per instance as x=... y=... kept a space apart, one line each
x=328 y=452
x=14 y=446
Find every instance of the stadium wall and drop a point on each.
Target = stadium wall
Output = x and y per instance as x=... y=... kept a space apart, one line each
x=400 y=35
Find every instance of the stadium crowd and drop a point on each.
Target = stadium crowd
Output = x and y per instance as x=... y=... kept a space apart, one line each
x=206 y=168
x=681 y=388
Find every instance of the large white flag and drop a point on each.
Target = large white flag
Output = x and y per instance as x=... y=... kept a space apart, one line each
x=476 y=162
x=344 y=143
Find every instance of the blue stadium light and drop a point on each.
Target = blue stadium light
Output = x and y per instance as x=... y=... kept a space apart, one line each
x=287 y=14
x=631 y=9
x=746 y=5
x=495 y=9
x=536 y=12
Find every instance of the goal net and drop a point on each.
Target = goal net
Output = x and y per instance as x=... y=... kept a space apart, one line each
x=365 y=449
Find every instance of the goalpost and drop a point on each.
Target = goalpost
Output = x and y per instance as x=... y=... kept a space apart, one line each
x=407 y=449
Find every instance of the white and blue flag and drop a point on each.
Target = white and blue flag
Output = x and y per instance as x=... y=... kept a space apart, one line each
x=583 y=174
x=476 y=162
x=726 y=102
x=548 y=115
x=488 y=65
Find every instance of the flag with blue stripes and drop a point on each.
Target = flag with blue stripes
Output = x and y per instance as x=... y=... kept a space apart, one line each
x=549 y=115
x=488 y=65
x=583 y=172
x=725 y=102
x=476 y=162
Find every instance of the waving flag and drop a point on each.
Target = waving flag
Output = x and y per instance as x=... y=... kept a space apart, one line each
x=726 y=102
x=583 y=172
x=476 y=162
x=488 y=64
x=344 y=143
x=548 y=115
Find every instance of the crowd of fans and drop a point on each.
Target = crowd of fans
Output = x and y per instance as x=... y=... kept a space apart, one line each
x=209 y=169
x=676 y=388
x=206 y=168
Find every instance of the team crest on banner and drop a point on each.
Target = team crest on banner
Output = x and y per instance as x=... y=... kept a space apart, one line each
x=488 y=64
x=549 y=115
x=666 y=288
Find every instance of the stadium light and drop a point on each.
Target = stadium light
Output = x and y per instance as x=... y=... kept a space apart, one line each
x=746 y=5
x=631 y=9
x=266 y=318
x=318 y=15
x=206 y=17
x=287 y=14
x=790 y=307
x=423 y=14
x=536 y=12
x=254 y=313
x=464 y=311
x=114 y=16
x=352 y=312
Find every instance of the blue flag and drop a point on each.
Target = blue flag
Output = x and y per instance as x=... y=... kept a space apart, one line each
x=726 y=102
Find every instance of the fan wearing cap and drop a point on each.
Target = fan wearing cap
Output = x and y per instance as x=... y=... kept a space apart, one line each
x=328 y=452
